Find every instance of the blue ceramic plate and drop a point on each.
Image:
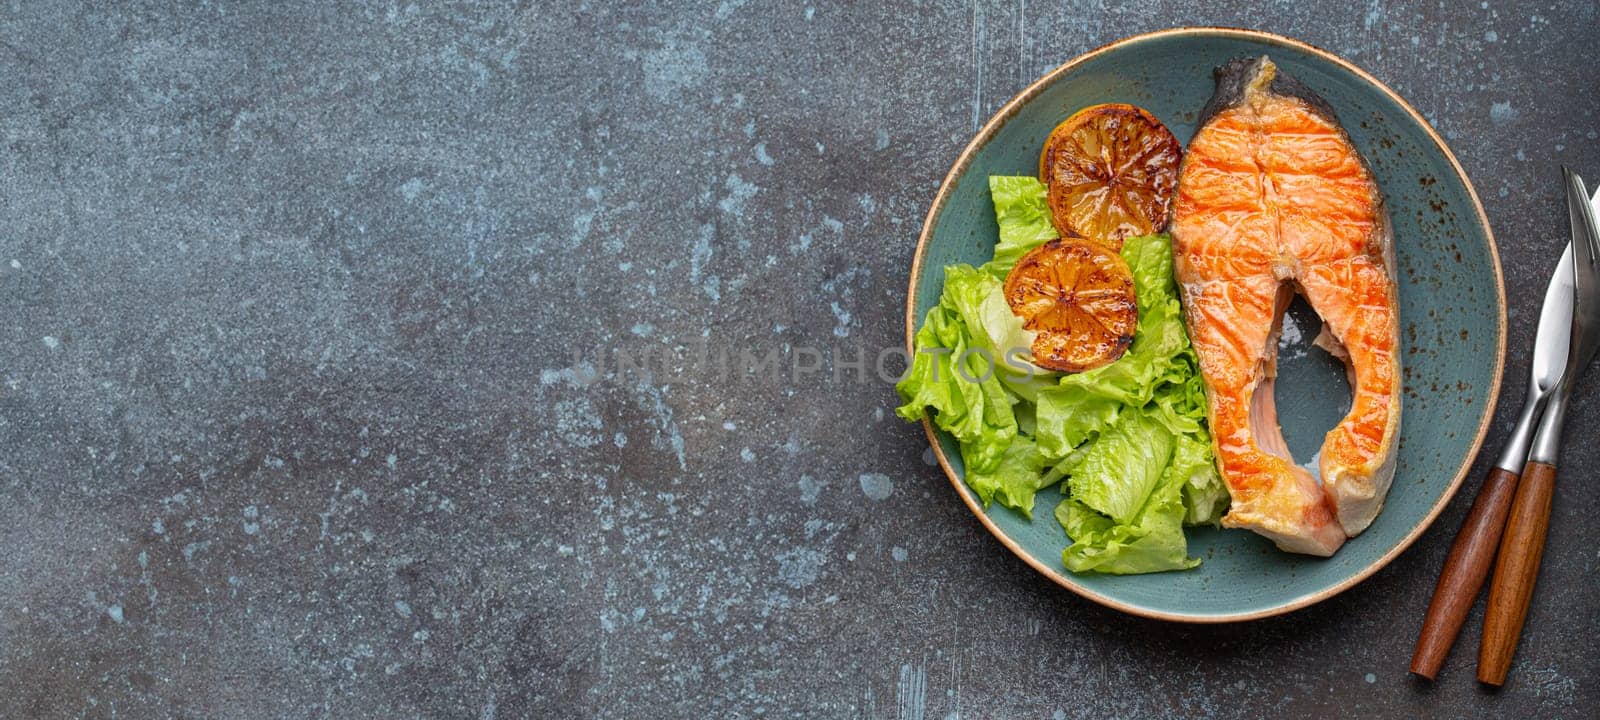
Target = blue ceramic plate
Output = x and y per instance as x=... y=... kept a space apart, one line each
x=1452 y=307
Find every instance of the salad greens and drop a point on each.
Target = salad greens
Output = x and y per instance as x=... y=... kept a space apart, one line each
x=1127 y=442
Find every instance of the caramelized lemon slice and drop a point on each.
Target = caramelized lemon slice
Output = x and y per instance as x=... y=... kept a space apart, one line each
x=1075 y=298
x=1111 y=170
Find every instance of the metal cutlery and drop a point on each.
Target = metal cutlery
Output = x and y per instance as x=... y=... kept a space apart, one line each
x=1474 y=549
x=1522 y=546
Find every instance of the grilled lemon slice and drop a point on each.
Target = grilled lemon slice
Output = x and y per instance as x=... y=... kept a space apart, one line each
x=1075 y=298
x=1111 y=170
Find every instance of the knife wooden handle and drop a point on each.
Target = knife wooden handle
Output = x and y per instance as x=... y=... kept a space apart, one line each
x=1516 y=570
x=1464 y=571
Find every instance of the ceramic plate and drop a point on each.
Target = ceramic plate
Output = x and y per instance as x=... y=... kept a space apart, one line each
x=1452 y=308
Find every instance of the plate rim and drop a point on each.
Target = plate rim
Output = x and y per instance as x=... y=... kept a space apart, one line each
x=1004 y=114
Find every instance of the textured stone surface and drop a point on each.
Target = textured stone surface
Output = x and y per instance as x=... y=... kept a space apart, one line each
x=300 y=302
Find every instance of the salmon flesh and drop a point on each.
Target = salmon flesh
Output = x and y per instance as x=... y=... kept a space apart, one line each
x=1273 y=199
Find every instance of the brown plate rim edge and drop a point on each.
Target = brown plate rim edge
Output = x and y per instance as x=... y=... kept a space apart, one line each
x=988 y=131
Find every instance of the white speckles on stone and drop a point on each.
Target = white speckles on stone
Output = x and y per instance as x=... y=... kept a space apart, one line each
x=747 y=455
x=928 y=457
x=761 y=154
x=251 y=523
x=391 y=461
x=725 y=8
x=1374 y=16
x=729 y=426
x=157 y=527
x=739 y=192
x=800 y=567
x=582 y=223
x=700 y=254
x=668 y=435
x=1371 y=678
x=1491 y=36
x=620 y=440
x=880 y=140
x=809 y=489
x=51 y=342
x=577 y=422
x=810 y=13
x=1501 y=113
x=402 y=608
x=843 y=316
x=898 y=553
x=412 y=188
x=911 y=693
x=876 y=486
x=421 y=635
x=850 y=556
x=16 y=264
x=672 y=68
x=115 y=612
x=195 y=548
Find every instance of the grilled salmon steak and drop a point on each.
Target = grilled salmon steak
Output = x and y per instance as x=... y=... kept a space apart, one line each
x=1274 y=199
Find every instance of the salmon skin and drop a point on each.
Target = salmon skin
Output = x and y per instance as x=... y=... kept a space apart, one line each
x=1274 y=199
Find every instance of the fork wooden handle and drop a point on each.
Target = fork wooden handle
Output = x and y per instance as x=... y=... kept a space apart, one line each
x=1464 y=571
x=1516 y=570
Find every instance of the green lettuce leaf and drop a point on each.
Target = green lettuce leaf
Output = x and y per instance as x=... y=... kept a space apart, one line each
x=1152 y=542
x=1122 y=468
x=979 y=296
x=1022 y=210
x=1205 y=498
x=1017 y=479
x=968 y=401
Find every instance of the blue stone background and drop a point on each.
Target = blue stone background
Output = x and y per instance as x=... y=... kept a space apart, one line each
x=309 y=408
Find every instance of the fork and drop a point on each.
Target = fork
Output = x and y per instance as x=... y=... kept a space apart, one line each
x=1522 y=545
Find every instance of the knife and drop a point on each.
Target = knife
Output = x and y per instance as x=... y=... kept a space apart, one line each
x=1517 y=564
x=1476 y=543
